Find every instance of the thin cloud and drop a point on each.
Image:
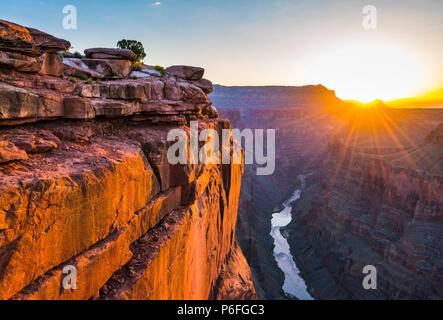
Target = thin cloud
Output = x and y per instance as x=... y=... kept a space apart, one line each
x=157 y=3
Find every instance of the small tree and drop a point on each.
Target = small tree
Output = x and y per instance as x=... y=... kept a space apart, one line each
x=135 y=46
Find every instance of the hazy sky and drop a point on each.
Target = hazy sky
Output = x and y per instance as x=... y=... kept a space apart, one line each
x=258 y=42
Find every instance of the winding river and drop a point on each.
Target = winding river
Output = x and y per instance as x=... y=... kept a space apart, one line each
x=293 y=284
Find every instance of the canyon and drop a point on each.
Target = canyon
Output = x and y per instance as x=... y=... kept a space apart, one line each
x=375 y=200
x=85 y=181
x=372 y=195
x=301 y=125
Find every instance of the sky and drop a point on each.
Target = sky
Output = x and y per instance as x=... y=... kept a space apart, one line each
x=266 y=42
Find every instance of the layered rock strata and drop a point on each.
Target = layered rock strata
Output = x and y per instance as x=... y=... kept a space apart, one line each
x=85 y=182
x=377 y=200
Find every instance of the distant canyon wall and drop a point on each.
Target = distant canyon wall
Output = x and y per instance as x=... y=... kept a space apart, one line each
x=376 y=200
x=373 y=196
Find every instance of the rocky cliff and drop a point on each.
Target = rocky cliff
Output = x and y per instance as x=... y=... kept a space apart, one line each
x=85 y=180
x=376 y=200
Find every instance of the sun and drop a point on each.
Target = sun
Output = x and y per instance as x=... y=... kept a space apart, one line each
x=366 y=72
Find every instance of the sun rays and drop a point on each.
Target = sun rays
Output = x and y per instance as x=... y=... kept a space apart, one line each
x=376 y=133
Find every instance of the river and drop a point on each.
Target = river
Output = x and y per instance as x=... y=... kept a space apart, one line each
x=293 y=284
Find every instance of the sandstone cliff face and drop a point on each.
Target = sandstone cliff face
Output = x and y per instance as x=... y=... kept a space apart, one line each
x=377 y=200
x=85 y=181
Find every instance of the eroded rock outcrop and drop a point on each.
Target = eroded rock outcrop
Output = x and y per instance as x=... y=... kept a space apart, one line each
x=377 y=200
x=85 y=181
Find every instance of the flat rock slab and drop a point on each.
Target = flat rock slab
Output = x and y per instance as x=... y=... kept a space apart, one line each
x=29 y=41
x=20 y=62
x=186 y=72
x=110 y=53
x=48 y=43
x=75 y=67
x=109 y=68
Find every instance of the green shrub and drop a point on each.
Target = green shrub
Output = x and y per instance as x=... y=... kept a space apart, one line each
x=135 y=46
x=72 y=79
x=78 y=55
x=98 y=80
x=90 y=81
x=83 y=76
x=161 y=70
x=80 y=94
x=134 y=77
x=63 y=54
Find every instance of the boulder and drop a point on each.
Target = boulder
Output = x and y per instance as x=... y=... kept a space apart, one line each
x=75 y=67
x=110 y=53
x=52 y=65
x=210 y=111
x=186 y=72
x=193 y=94
x=109 y=68
x=9 y=152
x=205 y=85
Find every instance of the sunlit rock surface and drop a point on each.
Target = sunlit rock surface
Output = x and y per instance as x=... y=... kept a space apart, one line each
x=85 y=181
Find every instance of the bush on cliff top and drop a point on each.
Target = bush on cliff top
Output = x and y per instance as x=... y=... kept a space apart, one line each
x=161 y=70
x=135 y=46
x=78 y=55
